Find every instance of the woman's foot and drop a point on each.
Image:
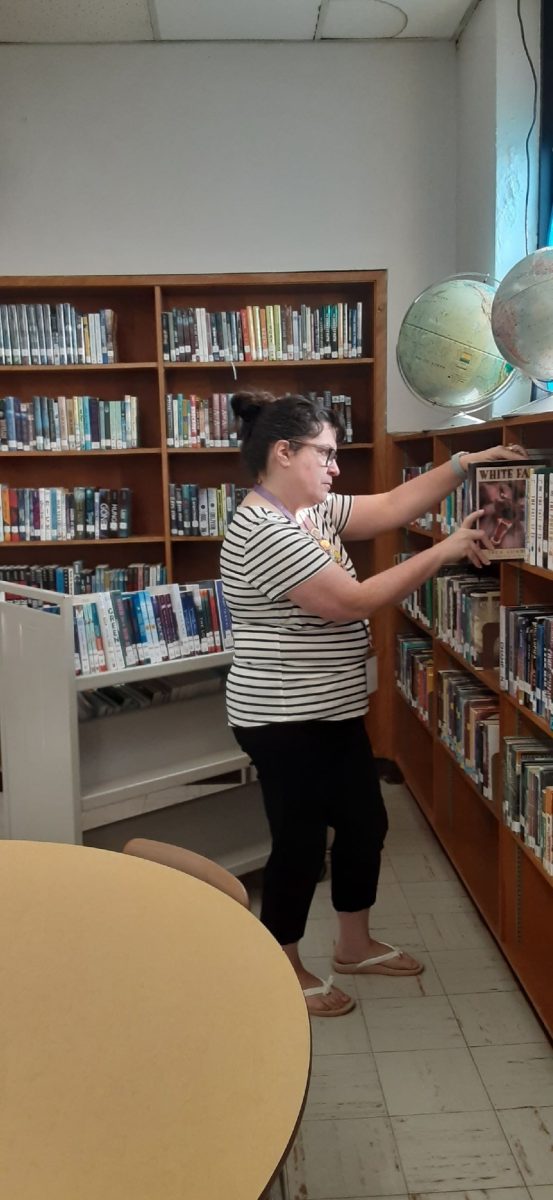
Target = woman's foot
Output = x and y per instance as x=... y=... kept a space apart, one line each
x=395 y=962
x=332 y=1002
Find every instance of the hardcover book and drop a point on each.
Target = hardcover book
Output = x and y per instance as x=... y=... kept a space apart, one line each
x=500 y=489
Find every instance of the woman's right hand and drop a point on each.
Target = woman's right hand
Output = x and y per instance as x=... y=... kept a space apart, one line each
x=467 y=542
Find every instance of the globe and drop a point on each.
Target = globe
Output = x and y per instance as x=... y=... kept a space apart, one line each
x=522 y=315
x=446 y=351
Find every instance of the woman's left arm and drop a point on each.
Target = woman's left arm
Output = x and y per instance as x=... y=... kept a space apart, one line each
x=371 y=515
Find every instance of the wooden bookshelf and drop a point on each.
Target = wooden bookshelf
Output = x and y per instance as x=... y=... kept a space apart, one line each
x=505 y=879
x=138 y=302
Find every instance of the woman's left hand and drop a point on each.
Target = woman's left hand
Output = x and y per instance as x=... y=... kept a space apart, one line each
x=509 y=453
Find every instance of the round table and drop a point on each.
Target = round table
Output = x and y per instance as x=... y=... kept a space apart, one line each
x=154 y=1041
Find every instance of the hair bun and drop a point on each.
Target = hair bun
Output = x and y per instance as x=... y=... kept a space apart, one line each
x=247 y=406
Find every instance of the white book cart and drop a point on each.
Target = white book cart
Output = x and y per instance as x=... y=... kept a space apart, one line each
x=67 y=780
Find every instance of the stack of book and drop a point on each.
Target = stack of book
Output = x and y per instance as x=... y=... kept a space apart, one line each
x=528 y=795
x=114 y=630
x=131 y=697
x=56 y=335
x=200 y=421
x=341 y=405
x=203 y=511
x=467 y=616
x=411 y=472
x=68 y=423
x=526 y=656
x=415 y=673
x=263 y=333
x=63 y=514
x=468 y=723
x=76 y=580
x=420 y=604
x=538 y=539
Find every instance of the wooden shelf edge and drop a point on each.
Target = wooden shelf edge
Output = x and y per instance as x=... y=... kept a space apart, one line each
x=528 y=853
x=269 y=365
x=52 y=368
x=61 y=454
x=467 y=778
x=422 y=721
x=539 y=722
x=129 y=541
x=487 y=676
x=426 y=629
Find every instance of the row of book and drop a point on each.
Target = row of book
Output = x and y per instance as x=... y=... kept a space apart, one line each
x=467 y=615
x=132 y=697
x=196 y=511
x=200 y=421
x=528 y=794
x=263 y=333
x=56 y=335
x=62 y=514
x=68 y=423
x=77 y=580
x=203 y=511
x=114 y=630
x=526 y=658
x=415 y=673
x=412 y=472
x=538 y=534
x=208 y=421
x=468 y=723
x=341 y=405
x=420 y=603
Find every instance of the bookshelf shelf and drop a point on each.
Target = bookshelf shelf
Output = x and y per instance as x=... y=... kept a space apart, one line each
x=180 y=666
x=466 y=778
x=488 y=678
x=130 y=541
x=61 y=454
x=506 y=880
x=168 y=776
x=77 y=368
x=415 y=621
x=427 y=533
x=421 y=720
x=529 y=855
x=522 y=711
x=235 y=449
x=265 y=365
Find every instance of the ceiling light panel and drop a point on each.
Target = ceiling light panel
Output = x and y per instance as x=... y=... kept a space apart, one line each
x=361 y=19
x=236 y=20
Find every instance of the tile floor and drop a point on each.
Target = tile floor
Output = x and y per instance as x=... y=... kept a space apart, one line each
x=438 y=1084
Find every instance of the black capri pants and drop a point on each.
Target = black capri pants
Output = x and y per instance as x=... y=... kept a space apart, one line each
x=316 y=774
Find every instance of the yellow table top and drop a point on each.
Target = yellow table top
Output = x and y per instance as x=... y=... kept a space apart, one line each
x=154 y=1042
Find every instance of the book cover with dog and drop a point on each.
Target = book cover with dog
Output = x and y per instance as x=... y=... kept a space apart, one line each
x=500 y=490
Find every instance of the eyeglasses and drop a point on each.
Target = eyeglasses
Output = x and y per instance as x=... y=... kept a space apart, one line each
x=327 y=454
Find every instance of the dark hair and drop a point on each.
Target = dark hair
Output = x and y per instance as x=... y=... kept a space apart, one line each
x=263 y=419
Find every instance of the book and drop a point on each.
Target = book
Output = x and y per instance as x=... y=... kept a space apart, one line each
x=502 y=491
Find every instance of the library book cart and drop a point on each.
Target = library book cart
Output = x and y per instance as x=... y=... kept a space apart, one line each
x=505 y=878
x=104 y=780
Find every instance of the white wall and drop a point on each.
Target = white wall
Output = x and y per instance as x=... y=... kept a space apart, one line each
x=160 y=158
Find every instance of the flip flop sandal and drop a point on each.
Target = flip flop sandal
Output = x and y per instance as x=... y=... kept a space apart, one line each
x=377 y=965
x=324 y=991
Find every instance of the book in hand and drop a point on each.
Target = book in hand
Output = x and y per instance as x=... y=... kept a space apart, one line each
x=500 y=490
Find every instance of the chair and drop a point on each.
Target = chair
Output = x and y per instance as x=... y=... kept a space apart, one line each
x=201 y=868
x=191 y=863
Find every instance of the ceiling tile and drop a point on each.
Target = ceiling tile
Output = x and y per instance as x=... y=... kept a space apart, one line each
x=75 y=21
x=232 y=20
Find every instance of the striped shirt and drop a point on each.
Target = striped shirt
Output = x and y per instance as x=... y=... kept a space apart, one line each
x=288 y=665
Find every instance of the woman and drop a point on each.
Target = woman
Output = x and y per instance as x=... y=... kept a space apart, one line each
x=297 y=691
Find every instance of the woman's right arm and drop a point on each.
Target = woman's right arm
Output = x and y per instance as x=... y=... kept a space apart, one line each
x=333 y=595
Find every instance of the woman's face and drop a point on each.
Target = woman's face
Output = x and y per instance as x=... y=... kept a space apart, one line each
x=314 y=465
